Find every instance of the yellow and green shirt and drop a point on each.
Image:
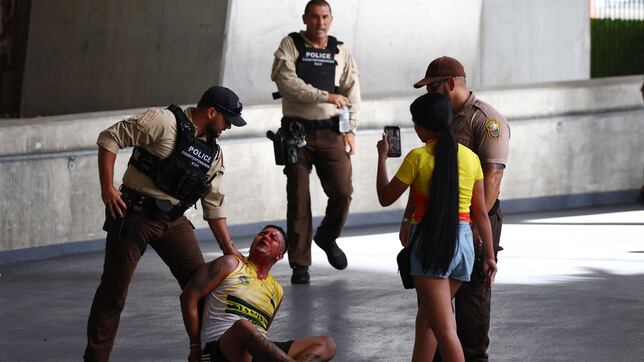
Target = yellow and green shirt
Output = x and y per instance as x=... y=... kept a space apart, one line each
x=240 y=295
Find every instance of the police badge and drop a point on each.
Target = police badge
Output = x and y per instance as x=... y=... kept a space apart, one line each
x=493 y=128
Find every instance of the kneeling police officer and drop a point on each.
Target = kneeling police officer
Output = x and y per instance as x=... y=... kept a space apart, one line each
x=176 y=161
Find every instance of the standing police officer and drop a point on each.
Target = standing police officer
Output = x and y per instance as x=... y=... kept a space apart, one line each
x=176 y=161
x=482 y=129
x=316 y=75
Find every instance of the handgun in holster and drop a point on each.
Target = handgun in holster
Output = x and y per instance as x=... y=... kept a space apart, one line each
x=286 y=142
x=120 y=227
x=280 y=146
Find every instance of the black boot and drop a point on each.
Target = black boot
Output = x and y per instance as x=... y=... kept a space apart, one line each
x=334 y=254
x=300 y=275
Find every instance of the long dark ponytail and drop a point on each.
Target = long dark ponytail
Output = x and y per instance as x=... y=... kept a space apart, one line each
x=437 y=232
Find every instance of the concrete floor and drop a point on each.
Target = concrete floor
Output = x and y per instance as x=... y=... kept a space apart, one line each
x=570 y=287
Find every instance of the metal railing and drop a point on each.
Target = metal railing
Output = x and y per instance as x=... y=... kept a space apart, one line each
x=617 y=37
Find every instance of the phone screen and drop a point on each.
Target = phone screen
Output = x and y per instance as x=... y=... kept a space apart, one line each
x=393 y=137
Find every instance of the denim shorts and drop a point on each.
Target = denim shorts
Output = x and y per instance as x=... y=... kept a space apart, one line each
x=462 y=263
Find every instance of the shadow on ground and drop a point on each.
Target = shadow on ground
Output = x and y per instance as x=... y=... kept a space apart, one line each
x=44 y=306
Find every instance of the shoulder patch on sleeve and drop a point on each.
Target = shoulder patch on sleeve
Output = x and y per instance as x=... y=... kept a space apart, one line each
x=493 y=128
x=143 y=123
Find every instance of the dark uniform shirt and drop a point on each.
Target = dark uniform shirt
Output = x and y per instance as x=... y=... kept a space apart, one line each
x=481 y=128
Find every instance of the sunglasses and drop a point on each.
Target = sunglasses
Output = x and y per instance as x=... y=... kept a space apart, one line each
x=434 y=85
x=237 y=111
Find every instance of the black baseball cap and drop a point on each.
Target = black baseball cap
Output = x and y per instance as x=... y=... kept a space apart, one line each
x=225 y=101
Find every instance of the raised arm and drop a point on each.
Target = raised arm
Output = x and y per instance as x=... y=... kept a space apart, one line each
x=204 y=281
x=388 y=192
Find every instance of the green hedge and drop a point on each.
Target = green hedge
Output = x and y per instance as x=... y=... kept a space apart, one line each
x=616 y=48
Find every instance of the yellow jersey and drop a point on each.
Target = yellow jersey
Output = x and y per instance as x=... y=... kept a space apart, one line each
x=416 y=171
x=240 y=295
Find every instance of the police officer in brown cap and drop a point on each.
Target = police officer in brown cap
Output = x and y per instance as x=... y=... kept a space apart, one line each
x=317 y=79
x=478 y=126
x=176 y=161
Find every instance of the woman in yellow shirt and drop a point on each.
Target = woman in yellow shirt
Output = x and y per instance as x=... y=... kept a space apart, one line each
x=446 y=179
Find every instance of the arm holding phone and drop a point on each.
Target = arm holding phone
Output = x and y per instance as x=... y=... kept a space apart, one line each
x=390 y=146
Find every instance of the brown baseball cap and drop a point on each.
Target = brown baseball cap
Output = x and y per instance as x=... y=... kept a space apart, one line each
x=440 y=68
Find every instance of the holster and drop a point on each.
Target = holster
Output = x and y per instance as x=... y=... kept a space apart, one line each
x=290 y=137
x=122 y=228
x=280 y=146
x=114 y=226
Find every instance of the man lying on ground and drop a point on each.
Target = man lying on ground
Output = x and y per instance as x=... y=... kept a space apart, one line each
x=241 y=300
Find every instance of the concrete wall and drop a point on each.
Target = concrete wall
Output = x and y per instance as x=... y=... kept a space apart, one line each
x=537 y=41
x=87 y=56
x=500 y=42
x=391 y=41
x=568 y=139
x=96 y=55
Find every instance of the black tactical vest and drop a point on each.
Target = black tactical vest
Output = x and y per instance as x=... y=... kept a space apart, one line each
x=316 y=66
x=183 y=174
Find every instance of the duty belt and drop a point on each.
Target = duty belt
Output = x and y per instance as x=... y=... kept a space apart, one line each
x=153 y=208
x=330 y=123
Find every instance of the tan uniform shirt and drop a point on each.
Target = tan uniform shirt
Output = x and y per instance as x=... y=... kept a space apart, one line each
x=479 y=127
x=156 y=131
x=302 y=100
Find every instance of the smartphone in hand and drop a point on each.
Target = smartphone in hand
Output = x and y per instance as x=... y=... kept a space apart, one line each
x=393 y=138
